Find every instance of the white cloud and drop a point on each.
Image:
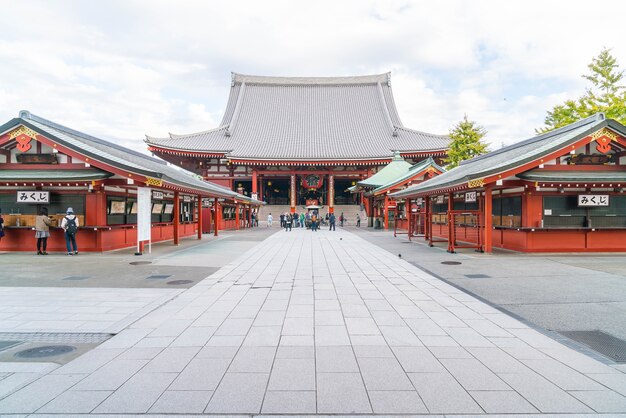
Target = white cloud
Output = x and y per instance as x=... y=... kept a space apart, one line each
x=120 y=69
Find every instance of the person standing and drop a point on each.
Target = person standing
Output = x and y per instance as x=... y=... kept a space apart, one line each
x=282 y=220
x=42 y=231
x=332 y=220
x=1 y=226
x=269 y=220
x=341 y=219
x=314 y=222
x=70 y=225
x=252 y=219
x=302 y=224
x=358 y=220
x=288 y=222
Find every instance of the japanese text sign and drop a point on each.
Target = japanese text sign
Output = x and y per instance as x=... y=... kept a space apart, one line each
x=593 y=200
x=33 y=196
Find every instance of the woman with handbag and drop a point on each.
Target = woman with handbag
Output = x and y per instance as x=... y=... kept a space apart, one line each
x=42 y=231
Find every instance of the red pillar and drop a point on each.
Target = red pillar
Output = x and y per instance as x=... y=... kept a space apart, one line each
x=488 y=208
x=450 y=223
x=386 y=212
x=331 y=194
x=409 y=214
x=261 y=197
x=254 y=181
x=176 y=218
x=427 y=217
x=292 y=193
x=199 y=218
x=216 y=217
x=237 y=215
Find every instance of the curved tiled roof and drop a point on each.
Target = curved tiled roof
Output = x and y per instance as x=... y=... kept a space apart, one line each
x=118 y=156
x=515 y=155
x=309 y=119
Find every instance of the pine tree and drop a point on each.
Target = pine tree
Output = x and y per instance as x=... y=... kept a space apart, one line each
x=466 y=142
x=606 y=95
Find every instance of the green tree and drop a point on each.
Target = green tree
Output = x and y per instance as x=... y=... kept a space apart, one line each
x=466 y=142
x=606 y=94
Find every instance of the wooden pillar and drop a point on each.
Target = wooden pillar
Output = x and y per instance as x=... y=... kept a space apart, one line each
x=176 y=218
x=409 y=215
x=255 y=181
x=428 y=217
x=216 y=216
x=292 y=192
x=261 y=196
x=386 y=212
x=451 y=237
x=237 y=215
x=249 y=216
x=331 y=194
x=488 y=208
x=199 y=217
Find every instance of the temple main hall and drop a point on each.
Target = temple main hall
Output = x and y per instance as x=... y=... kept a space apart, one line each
x=301 y=141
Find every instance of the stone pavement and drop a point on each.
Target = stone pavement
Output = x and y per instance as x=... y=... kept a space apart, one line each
x=324 y=323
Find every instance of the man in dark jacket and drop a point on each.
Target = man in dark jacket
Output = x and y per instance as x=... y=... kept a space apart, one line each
x=332 y=221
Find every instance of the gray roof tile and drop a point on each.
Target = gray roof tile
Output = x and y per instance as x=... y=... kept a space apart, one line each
x=314 y=118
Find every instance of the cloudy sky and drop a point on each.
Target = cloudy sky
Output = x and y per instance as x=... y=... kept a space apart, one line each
x=123 y=69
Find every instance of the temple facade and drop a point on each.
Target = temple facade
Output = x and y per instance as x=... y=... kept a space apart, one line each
x=297 y=141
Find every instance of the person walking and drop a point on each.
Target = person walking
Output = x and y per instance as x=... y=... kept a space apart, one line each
x=252 y=216
x=42 y=231
x=288 y=222
x=358 y=220
x=331 y=221
x=341 y=219
x=302 y=225
x=296 y=220
x=269 y=220
x=70 y=225
x=282 y=220
x=314 y=222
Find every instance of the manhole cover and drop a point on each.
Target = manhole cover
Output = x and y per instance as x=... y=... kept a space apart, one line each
x=599 y=341
x=180 y=282
x=139 y=263
x=45 y=351
x=451 y=263
x=158 y=277
x=76 y=278
x=477 y=276
x=56 y=337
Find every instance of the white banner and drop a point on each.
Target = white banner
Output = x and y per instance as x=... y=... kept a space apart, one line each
x=593 y=200
x=33 y=196
x=144 y=213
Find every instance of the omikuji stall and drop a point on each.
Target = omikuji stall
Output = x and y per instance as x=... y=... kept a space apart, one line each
x=562 y=191
x=44 y=164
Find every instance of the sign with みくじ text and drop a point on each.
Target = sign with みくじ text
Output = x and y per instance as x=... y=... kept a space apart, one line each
x=470 y=197
x=593 y=200
x=33 y=196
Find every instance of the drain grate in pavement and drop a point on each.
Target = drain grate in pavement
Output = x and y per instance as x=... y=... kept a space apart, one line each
x=139 y=263
x=477 y=276
x=5 y=345
x=158 y=277
x=56 y=337
x=451 y=263
x=599 y=341
x=174 y=282
x=45 y=351
x=76 y=278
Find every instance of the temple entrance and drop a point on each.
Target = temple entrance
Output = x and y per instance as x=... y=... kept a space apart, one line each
x=342 y=195
x=276 y=191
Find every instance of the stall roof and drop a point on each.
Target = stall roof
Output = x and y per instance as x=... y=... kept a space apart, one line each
x=53 y=175
x=573 y=176
x=412 y=171
x=515 y=155
x=396 y=168
x=117 y=156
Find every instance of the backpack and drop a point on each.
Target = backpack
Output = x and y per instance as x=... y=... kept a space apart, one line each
x=70 y=226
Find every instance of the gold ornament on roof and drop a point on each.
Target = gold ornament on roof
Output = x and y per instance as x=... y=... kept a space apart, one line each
x=22 y=130
x=476 y=183
x=151 y=181
x=604 y=132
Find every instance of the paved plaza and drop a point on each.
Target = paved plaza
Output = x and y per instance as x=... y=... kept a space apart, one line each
x=319 y=323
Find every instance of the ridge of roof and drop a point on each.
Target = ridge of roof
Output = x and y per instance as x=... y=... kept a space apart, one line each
x=413 y=170
x=25 y=114
x=278 y=80
x=597 y=117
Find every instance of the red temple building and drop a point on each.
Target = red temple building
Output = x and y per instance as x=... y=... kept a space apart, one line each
x=44 y=164
x=561 y=191
x=296 y=141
